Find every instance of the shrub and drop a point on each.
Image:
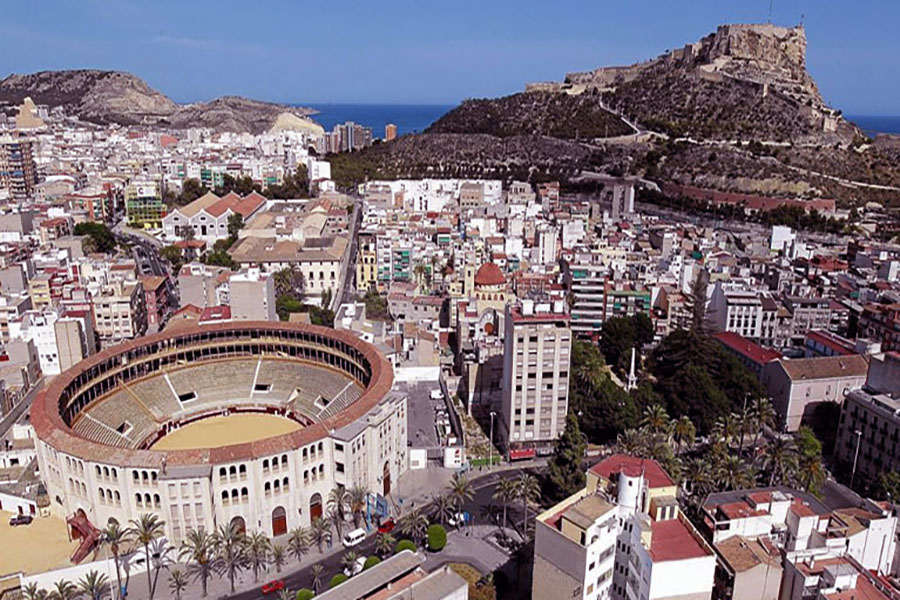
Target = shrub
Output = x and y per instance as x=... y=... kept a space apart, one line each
x=437 y=538
x=404 y=545
x=337 y=580
x=371 y=562
x=305 y=594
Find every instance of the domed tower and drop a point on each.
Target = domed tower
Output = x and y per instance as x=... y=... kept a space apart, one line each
x=491 y=290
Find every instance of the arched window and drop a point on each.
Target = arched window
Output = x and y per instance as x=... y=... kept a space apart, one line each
x=106 y=471
x=144 y=476
x=135 y=475
x=267 y=487
x=265 y=464
x=156 y=500
x=320 y=447
x=153 y=476
x=225 y=495
x=232 y=470
x=284 y=483
x=305 y=476
x=102 y=494
x=222 y=472
x=115 y=474
x=284 y=460
x=242 y=469
x=118 y=499
x=305 y=454
x=137 y=500
x=98 y=470
x=234 y=495
x=277 y=486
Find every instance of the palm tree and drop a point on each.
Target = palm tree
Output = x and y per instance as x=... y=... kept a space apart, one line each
x=114 y=537
x=700 y=475
x=286 y=594
x=198 y=550
x=348 y=560
x=655 y=419
x=298 y=543
x=444 y=507
x=177 y=582
x=94 y=584
x=528 y=490
x=336 y=520
x=316 y=573
x=258 y=548
x=145 y=530
x=684 y=433
x=810 y=472
x=631 y=442
x=384 y=544
x=505 y=492
x=589 y=371
x=356 y=500
x=413 y=524
x=32 y=591
x=279 y=556
x=460 y=489
x=231 y=550
x=728 y=428
x=733 y=474
x=780 y=459
x=63 y=590
x=763 y=416
x=338 y=502
x=320 y=531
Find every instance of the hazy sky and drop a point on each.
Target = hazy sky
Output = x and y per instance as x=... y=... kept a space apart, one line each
x=425 y=51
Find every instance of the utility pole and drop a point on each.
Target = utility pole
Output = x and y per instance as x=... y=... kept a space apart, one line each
x=491 y=443
x=855 y=456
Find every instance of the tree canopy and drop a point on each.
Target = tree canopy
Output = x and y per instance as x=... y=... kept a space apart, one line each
x=99 y=237
x=565 y=474
x=620 y=335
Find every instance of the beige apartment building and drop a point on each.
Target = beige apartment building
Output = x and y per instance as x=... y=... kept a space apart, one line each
x=537 y=349
x=120 y=312
x=39 y=290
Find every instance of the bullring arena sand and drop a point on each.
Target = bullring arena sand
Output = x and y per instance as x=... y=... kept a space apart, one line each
x=215 y=432
x=35 y=548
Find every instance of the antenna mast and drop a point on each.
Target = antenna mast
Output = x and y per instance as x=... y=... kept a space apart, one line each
x=770 y=11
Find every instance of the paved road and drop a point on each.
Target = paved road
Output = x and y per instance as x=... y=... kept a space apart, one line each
x=483 y=485
x=347 y=293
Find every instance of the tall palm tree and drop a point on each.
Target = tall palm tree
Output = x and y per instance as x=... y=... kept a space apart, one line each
x=384 y=544
x=145 y=530
x=589 y=370
x=316 y=572
x=258 y=548
x=700 y=476
x=231 y=551
x=810 y=472
x=684 y=433
x=780 y=459
x=320 y=530
x=763 y=416
x=178 y=580
x=298 y=543
x=631 y=442
x=198 y=551
x=460 y=489
x=338 y=502
x=733 y=474
x=655 y=419
x=113 y=537
x=528 y=490
x=94 y=584
x=279 y=556
x=728 y=428
x=507 y=491
x=413 y=524
x=444 y=507
x=33 y=592
x=64 y=590
x=336 y=520
x=356 y=501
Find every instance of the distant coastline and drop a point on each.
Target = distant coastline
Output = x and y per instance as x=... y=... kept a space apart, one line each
x=409 y=118
x=873 y=125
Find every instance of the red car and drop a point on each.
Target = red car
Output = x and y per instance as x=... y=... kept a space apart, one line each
x=386 y=526
x=273 y=586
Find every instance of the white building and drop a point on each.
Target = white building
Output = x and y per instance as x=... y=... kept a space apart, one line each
x=737 y=311
x=61 y=341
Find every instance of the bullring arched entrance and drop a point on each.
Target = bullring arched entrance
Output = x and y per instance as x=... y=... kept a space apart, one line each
x=315 y=507
x=279 y=522
x=239 y=525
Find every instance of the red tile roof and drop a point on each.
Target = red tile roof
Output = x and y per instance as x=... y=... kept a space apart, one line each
x=489 y=274
x=654 y=474
x=745 y=347
x=672 y=540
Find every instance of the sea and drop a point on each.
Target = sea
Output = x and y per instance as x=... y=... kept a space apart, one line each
x=873 y=125
x=409 y=118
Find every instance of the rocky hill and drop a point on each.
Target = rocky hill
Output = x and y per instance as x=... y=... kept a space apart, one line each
x=106 y=97
x=553 y=114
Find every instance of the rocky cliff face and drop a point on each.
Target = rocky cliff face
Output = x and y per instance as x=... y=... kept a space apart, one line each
x=106 y=97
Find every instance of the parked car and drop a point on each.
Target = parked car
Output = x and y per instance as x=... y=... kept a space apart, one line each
x=352 y=538
x=276 y=585
x=387 y=526
x=356 y=568
x=457 y=520
x=17 y=520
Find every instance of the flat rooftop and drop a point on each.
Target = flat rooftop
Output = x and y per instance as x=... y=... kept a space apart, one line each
x=672 y=540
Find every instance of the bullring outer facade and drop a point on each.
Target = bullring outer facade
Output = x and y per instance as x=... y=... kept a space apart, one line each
x=251 y=424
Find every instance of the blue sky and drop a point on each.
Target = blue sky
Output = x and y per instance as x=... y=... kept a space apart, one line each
x=425 y=51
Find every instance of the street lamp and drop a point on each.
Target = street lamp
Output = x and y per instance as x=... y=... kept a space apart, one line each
x=491 y=444
x=855 y=456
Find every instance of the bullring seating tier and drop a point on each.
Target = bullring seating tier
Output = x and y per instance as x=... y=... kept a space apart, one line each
x=135 y=411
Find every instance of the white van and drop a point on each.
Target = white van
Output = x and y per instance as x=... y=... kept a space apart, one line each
x=352 y=538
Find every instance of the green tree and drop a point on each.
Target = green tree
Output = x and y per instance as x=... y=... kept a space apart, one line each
x=887 y=486
x=279 y=556
x=316 y=572
x=444 y=507
x=565 y=473
x=305 y=594
x=337 y=580
x=258 y=549
x=371 y=562
x=231 y=549
x=405 y=545
x=506 y=493
x=64 y=590
x=384 y=544
x=235 y=224
x=320 y=530
x=31 y=591
x=178 y=581
x=145 y=530
x=101 y=238
x=298 y=543
x=172 y=254
x=529 y=491
x=94 y=584
x=191 y=189
x=348 y=561
x=198 y=551
x=113 y=537
x=356 y=501
x=413 y=524
x=437 y=537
